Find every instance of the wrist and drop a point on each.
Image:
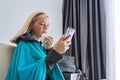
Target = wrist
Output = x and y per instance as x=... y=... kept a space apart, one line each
x=54 y=48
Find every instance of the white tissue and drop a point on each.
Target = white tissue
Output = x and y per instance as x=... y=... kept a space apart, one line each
x=43 y=41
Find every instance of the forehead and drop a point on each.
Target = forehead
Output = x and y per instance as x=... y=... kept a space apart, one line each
x=42 y=16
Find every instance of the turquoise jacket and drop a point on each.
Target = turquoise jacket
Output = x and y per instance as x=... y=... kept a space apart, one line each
x=28 y=63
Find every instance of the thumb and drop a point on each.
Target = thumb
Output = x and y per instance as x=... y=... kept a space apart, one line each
x=62 y=38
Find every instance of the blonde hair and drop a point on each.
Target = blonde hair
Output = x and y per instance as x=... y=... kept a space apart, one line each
x=32 y=18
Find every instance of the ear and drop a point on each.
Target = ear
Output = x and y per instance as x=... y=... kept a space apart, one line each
x=30 y=28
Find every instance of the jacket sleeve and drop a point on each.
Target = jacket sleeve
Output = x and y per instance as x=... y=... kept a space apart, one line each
x=51 y=59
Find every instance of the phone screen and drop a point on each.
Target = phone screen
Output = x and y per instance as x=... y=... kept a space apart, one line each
x=69 y=31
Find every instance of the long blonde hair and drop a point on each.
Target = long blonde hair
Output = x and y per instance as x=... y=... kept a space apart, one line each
x=26 y=27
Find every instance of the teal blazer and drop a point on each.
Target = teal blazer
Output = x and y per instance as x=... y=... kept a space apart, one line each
x=28 y=63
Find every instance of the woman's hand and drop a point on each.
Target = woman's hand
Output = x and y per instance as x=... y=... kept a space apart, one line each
x=49 y=42
x=62 y=45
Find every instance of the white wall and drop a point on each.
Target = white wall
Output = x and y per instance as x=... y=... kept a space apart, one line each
x=117 y=38
x=14 y=13
x=110 y=39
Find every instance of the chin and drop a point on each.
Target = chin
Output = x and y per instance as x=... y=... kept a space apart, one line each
x=40 y=35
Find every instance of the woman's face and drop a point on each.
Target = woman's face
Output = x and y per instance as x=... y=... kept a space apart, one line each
x=40 y=26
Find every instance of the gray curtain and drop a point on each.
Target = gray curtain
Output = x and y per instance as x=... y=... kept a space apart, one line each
x=89 y=42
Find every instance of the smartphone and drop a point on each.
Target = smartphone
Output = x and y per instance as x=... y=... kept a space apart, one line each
x=69 y=31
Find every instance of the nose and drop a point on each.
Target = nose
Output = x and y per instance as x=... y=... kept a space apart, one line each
x=46 y=26
x=45 y=29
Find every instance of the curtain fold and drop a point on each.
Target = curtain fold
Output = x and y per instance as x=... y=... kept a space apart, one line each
x=89 y=42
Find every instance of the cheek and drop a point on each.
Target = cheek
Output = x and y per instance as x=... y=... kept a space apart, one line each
x=37 y=29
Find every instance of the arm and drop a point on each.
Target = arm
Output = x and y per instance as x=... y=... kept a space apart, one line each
x=52 y=58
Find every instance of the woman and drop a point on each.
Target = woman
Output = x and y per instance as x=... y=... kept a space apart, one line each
x=30 y=60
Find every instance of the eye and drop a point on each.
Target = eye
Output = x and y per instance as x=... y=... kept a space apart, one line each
x=43 y=24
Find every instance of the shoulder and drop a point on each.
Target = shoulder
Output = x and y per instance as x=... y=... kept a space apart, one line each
x=27 y=43
x=24 y=43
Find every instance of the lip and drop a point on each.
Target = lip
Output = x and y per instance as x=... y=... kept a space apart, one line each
x=44 y=32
